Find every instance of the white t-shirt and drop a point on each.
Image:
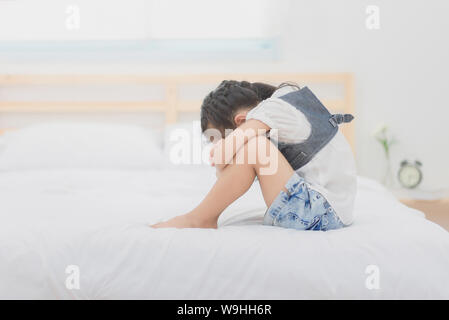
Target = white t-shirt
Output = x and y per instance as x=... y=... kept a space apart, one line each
x=332 y=171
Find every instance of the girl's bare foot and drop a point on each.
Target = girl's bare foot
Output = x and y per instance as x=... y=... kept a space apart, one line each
x=188 y=220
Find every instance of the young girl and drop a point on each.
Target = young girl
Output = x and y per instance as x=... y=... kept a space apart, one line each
x=287 y=139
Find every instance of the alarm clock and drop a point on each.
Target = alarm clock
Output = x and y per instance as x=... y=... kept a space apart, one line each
x=410 y=174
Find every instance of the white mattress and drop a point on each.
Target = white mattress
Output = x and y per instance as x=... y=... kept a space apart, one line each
x=97 y=220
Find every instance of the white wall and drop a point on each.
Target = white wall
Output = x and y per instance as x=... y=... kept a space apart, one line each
x=401 y=72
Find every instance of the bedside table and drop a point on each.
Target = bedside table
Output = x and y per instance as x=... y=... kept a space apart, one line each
x=435 y=205
x=436 y=210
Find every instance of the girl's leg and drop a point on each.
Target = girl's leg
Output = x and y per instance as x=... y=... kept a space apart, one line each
x=258 y=157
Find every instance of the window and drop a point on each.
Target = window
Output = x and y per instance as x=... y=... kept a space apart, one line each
x=208 y=19
x=136 y=29
x=79 y=20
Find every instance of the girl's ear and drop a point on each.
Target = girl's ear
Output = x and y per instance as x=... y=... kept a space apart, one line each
x=240 y=118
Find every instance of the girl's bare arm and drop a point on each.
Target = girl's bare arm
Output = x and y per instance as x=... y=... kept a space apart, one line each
x=225 y=150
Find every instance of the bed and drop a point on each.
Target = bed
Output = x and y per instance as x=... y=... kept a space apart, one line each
x=75 y=225
x=98 y=221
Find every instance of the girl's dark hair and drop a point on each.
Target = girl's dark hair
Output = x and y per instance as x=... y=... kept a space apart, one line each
x=220 y=106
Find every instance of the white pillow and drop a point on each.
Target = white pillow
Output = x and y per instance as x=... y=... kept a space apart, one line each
x=80 y=145
x=185 y=145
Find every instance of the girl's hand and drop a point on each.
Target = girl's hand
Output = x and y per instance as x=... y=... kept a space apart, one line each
x=218 y=172
x=217 y=159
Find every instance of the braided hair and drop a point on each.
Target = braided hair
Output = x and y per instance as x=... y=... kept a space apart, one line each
x=221 y=105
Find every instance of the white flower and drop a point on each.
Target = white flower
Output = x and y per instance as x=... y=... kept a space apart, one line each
x=380 y=132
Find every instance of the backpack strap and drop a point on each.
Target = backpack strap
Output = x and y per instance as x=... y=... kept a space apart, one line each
x=337 y=119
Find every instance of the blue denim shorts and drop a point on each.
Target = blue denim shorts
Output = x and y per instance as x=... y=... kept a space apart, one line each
x=302 y=208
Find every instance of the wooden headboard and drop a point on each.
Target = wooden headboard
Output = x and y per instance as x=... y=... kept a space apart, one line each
x=172 y=104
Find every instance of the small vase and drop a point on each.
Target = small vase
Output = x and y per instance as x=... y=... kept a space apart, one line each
x=388 y=180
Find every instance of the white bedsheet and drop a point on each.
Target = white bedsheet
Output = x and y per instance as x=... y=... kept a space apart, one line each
x=98 y=220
